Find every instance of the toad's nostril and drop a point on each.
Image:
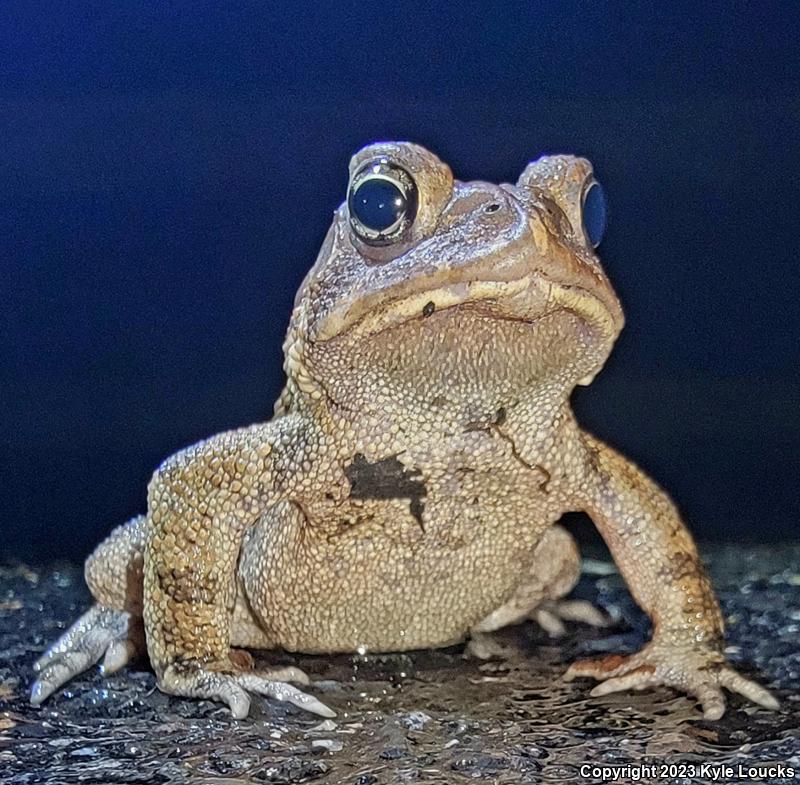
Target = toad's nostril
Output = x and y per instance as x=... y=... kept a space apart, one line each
x=491 y=208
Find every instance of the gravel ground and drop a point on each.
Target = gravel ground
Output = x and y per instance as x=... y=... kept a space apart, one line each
x=429 y=716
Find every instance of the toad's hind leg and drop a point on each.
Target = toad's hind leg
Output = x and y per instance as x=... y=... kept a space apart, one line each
x=554 y=572
x=112 y=627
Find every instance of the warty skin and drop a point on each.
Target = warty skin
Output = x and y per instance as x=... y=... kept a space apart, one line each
x=406 y=493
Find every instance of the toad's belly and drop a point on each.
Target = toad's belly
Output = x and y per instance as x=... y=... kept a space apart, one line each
x=386 y=583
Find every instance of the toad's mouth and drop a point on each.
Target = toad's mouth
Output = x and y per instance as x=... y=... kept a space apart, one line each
x=526 y=299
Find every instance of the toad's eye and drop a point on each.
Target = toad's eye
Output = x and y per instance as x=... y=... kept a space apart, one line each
x=594 y=214
x=382 y=202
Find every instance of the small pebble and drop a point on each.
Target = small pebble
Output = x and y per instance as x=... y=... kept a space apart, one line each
x=323 y=727
x=415 y=720
x=332 y=745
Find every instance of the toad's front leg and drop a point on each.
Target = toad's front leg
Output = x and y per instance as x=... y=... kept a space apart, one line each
x=200 y=503
x=659 y=561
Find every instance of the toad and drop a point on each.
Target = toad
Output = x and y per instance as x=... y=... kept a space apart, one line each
x=406 y=492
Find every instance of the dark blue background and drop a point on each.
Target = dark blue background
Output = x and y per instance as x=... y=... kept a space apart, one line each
x=168 y=171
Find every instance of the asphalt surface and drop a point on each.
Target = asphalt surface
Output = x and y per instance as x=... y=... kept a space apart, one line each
x=429 y=716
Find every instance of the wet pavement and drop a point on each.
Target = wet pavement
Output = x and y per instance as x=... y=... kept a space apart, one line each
x=427 y=717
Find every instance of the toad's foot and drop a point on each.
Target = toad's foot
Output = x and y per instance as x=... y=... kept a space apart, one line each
x=101 y=632
x=117 y=637
x=550 y=615
x=229 y=684
x=701 y=672
x=485 y=646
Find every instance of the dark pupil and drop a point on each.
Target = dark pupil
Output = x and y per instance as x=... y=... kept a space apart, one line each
x=594 y=214
x=378 y=204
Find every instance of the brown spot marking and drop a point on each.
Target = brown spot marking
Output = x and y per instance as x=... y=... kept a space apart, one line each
x=187 y=665
x=387 y=479
x=134 y=585
x=593 y=455
x=241 y=658
x=192 y=585
x=604 y=664
x=680 y=566
x=646 y=669
x=713 y=663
